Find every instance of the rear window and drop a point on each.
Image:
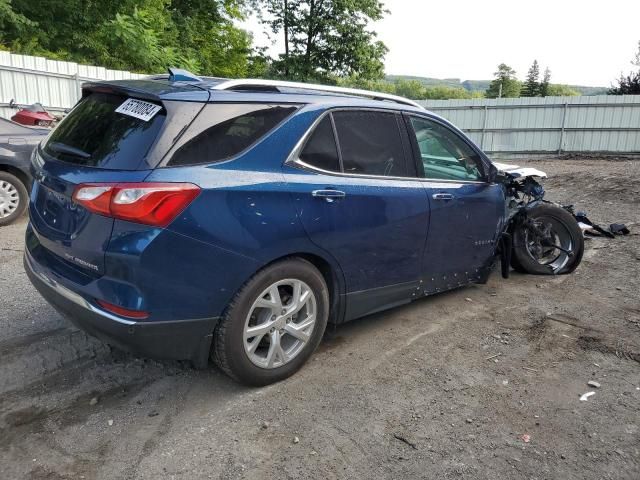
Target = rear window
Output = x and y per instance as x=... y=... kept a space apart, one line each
x=94 y=134
x=370 y=143
x=223 y=130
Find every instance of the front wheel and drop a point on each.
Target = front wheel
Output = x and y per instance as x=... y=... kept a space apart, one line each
x=548 y=242
x=273 y=324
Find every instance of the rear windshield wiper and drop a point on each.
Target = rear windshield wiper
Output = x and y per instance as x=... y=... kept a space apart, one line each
x=69 y=150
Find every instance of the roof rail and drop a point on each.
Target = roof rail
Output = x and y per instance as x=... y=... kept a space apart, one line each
x=244 y=83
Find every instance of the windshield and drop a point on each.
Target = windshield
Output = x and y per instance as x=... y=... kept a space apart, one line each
x=106 y=131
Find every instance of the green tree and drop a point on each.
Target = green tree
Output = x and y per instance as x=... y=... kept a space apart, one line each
x=206 y=30
x=442 y=92
x=410 y=89
x=629 y=84
x=505 y=84
x=139 y=35
x=377 y=85
x=134 y=42
x=546 y=81
x=531 y=86
x=326 y=39
x=556 y=90
x=12 y=24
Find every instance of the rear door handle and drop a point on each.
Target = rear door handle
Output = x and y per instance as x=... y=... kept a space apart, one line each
x=329 y=195
x=443 y=196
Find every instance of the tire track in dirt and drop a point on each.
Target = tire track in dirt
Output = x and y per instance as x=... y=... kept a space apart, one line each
x=32 y=358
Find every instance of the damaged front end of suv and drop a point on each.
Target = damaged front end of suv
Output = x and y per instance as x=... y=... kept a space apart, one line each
x=540 y=237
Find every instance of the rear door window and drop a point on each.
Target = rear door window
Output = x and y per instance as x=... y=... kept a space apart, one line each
x=371 y=143
x=223 y=131
x=94 y=134
x=321 y=151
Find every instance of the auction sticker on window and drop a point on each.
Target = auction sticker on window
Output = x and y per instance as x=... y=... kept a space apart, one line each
x=139 y=109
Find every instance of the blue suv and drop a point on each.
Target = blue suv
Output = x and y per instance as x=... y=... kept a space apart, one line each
x=190 y=218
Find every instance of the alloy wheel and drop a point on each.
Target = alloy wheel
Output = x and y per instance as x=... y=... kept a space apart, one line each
x=280 y=323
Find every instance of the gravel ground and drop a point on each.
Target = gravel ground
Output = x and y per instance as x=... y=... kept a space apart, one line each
x=482 y=382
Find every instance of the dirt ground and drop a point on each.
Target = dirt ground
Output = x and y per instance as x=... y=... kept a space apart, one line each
x=483 y=382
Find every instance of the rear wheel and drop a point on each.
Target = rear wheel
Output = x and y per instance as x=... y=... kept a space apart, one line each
x=13 y=198
x=549 y=242
x=273 y=324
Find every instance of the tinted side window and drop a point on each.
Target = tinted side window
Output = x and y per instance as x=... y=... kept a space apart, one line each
x=320 y=150
x=444 y=155
x=222 y=131
x=370 y=143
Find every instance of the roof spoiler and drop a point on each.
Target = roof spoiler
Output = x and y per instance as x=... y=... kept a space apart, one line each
x=114 y=88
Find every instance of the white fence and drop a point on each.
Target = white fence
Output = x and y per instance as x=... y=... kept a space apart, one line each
x=54 y=84
x=604 y=124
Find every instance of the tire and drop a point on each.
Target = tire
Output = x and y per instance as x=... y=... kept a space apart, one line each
x=13 y=198
x=515 y=264
x=539 y=258
x=256 y=307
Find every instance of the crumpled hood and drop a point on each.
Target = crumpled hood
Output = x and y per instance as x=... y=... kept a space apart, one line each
x=520 y=172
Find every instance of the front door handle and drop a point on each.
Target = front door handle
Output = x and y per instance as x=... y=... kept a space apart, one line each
x=443 y=196
x=329 y=195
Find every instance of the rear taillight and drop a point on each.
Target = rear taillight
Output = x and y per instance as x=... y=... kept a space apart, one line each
x=154 y=204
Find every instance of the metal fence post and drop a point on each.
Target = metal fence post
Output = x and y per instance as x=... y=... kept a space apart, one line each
x=484 y=127
x=78 y=84
x=564 y=122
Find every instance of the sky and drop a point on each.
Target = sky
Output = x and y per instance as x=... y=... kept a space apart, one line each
x=583 y=42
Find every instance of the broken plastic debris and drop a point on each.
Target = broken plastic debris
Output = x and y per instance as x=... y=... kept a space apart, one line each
x=584 y=397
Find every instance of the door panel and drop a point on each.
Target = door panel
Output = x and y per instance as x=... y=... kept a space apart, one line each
x=466 y=219
x=373 y=219
x=374 y=228
x=466 y=212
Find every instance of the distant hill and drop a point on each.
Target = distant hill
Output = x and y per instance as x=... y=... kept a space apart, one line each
x=481 y=85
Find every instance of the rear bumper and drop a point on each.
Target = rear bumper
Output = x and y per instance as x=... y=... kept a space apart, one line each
x=179 y=339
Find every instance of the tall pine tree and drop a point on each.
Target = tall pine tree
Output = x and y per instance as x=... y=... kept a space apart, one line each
x=531 y=87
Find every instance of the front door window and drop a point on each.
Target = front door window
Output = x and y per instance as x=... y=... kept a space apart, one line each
x=443 y=154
